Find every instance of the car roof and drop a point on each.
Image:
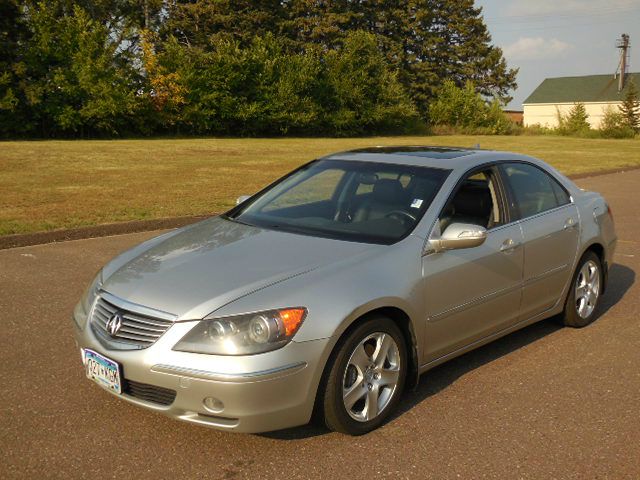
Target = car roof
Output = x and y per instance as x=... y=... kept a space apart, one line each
x=452 y=158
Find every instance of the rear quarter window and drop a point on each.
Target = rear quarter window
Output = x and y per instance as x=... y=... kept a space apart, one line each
x=561 y=194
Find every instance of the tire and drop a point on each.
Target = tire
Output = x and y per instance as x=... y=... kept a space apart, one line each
x=585 y=292
x=367 y=372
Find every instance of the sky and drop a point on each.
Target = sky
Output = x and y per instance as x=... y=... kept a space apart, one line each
x=558 y=38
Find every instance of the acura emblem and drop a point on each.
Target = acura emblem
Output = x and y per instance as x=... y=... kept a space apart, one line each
x=114 y=324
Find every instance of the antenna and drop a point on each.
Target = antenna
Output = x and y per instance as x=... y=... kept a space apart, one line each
x=623 y=44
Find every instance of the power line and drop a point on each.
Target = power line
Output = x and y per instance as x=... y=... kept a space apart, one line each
x=511 y=28
x=543 y=16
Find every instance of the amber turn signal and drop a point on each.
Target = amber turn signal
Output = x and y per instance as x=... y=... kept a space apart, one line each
x=292 y=319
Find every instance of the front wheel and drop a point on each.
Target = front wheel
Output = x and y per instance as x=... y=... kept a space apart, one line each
x=584 y=295
x=366 y=377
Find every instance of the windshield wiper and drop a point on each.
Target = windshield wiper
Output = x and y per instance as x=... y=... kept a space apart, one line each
x=235 y=220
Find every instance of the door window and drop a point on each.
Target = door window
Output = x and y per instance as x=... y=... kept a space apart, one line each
x=533 y=190
x=475 y=202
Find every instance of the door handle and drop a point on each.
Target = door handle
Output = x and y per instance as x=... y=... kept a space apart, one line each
x=569 y=223
x=509 y=245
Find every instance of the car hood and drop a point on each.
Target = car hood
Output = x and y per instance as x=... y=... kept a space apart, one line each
x=217 y=261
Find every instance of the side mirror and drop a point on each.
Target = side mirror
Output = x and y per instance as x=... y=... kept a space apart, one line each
x=242 y=198
x=460 y=235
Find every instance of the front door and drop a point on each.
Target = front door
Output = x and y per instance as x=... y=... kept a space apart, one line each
x=475 y=292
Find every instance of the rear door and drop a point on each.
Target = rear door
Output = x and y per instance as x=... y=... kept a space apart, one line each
x=549 y=222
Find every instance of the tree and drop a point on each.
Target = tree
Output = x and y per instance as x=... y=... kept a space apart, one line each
x=457 y=107
x=365 y=95
x=13 y=35
x=257 y=89
x=630 y=107
x=452 y=42
x=465 y=108
x=71 y=81
x=427 y=41
x=163 y=89
x=263 y=88
x=614 y=124
x=202 y=23
x=575 y=122
x=112 y=67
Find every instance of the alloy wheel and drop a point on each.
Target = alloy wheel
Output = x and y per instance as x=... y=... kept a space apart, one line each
x=371 y=376
x=587 y=289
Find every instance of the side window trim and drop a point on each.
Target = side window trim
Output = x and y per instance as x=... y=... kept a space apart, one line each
x=546 y=212
x=503 y=200
x=557 y=184
x=512 y=206
x=503 y=195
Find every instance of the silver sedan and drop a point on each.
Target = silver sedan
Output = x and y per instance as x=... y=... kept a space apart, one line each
x=334 y=288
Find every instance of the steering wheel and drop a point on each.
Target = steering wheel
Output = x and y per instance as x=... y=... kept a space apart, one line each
x=401 y=214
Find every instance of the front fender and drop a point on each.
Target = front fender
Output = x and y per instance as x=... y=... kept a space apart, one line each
x=338 y=294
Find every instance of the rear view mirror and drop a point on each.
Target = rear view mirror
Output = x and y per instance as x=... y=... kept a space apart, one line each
x=460 y=235
x=242 y=198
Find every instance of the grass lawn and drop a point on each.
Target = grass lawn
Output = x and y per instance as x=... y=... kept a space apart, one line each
x=46 y=185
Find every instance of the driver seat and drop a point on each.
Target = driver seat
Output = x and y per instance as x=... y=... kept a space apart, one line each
x=387 y=195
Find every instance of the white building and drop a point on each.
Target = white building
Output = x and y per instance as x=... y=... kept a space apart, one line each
x=596 y=92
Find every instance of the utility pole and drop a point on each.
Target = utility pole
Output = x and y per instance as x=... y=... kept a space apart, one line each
x=624 y=46
x=145 y=8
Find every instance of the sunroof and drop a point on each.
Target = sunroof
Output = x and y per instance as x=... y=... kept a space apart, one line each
x=426 y=152
x=445 y=154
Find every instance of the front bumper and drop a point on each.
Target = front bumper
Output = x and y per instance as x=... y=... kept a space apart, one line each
x=258 y=393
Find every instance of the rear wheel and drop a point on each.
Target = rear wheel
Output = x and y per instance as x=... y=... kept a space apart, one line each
x=366 y=377
x=584 y=295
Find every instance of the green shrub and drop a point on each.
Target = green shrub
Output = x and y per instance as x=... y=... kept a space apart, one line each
x=614 y=125
x=458 y=107
x=264 y=89
x=538 y=129
x=574 y=123
x=465 y=110
x=362 y=94
x=630 y=108
x=497 y=121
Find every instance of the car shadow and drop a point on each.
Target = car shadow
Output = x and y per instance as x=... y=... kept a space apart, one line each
x=621 y=278
x=444 y=375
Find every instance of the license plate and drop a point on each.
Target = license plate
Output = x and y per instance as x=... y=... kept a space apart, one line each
x=102 y=370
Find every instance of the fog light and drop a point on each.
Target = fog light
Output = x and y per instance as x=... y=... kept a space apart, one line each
x=213 y=405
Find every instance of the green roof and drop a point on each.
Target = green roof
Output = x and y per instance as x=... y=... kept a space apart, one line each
x=591 y=88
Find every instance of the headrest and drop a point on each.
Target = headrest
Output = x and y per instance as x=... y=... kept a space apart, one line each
x=472 y=202
x=388 y=190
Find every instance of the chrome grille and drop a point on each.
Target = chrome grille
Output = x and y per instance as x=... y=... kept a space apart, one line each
x=137 y=331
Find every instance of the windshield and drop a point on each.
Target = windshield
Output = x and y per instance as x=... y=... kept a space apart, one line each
x=347 y=200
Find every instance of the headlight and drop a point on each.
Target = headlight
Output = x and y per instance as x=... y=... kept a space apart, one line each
x=81 y=311
x=243 y=334
x=91 y=292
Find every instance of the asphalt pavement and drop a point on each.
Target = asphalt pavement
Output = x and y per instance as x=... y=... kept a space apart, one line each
x=544 y=402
